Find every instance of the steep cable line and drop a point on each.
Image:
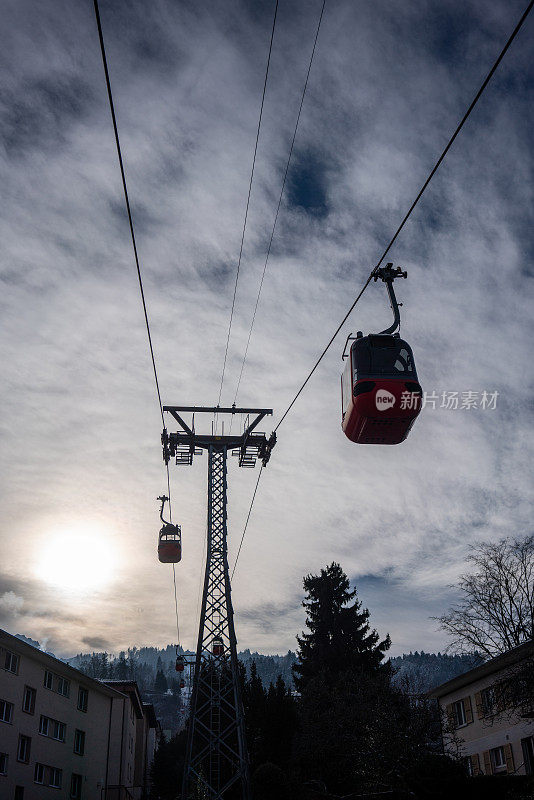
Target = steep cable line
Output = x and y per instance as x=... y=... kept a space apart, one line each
x=248 y=203
x=413 y=205
x=267 y=260
x=395 y=235
x=280 y=200
x=137 y=264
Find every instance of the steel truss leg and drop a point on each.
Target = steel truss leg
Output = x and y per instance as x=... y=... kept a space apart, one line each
x=216 y=758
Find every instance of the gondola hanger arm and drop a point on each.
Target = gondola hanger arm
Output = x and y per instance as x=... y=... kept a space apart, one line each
x=388 y=275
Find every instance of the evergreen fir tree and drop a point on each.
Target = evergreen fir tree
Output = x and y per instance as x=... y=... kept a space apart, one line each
x=340 y=637
x=121 y=669
x=160 y=684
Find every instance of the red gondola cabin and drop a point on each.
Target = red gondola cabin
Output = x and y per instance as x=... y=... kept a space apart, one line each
x=170 y=544
x=180 y=664
x=380 y=392
x=217 y=647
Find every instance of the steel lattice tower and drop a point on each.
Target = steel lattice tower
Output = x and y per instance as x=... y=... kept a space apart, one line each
x=216 y=758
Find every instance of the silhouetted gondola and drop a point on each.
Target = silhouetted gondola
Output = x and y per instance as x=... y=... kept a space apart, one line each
x=170 y=539
x=380 y=391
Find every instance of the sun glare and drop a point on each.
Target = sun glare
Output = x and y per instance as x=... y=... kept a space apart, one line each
x=78 y=560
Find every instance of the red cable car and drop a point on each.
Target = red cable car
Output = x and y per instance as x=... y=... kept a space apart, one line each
x=380 y=392
x=217 y=647
x=170 y=539
x=180 y=664
x=182 y=684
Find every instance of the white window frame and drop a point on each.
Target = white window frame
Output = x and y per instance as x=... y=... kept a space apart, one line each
x=52 y=728
x=63 y=686
x=4 y=759
x=76 y=786
x=55 y=774
x=501 y=765
x=460 y=722
x=7 y=714
x=39 y=773
x=48 y=681
x=79 y=742
x=83 y=699
x=11 y=663
x=30 y=692
x=58 y=732
x=23 y=753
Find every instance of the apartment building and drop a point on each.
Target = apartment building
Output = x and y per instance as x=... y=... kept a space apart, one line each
x=61 y=730
x=493 y=740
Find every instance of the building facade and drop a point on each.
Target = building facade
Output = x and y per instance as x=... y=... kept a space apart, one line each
x=493 y=739
x=61 y=730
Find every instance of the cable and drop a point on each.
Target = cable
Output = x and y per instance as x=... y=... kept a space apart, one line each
x=407 y=215
x=399 y=229
x=128 y=209
x=137 y=264
x=280 y=198
x=246 y=523
x=176 y=602
x=248 y=203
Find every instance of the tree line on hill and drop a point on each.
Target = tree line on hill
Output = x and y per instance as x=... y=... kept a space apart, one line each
x=419 y=670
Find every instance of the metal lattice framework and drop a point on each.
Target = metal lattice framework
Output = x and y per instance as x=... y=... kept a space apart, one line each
x=216 y=759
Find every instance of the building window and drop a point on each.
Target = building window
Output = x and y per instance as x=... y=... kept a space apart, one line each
x=527 y=746
x=488 y=701
x=79 y=742
x=498 y=760
x=12 y=662
x=59 y=731
x=76 y=786
x=83 y=696
x=56 y=683
x=52 y=728
x=48 y=776
x=23 y=752
x=19 y=793
x=459 y=712
x=3 y=763
x=6 y=711
x=55 y=777
x=28 y=701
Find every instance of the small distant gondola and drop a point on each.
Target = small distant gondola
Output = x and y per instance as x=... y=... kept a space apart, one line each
x=380 y=392
x=217 y=647
x=169 y=540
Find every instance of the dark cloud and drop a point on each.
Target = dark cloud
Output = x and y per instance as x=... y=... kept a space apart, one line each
x=97 y=643
x=38 y=114
x=308 y=184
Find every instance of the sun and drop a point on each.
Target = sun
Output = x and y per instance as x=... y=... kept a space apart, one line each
x=81 y=559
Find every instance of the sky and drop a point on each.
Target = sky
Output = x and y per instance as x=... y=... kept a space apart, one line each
x=80 y=462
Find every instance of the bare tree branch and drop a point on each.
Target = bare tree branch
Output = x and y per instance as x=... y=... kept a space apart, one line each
x=496 y=610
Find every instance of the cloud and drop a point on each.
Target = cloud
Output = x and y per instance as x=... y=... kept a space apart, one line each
x=11 y=604
x=80 y=422
x=96 y=643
